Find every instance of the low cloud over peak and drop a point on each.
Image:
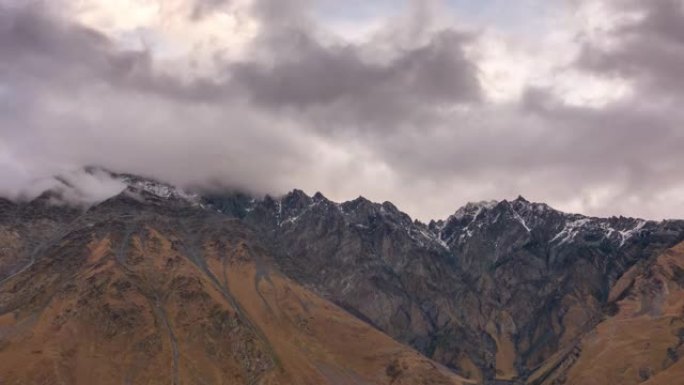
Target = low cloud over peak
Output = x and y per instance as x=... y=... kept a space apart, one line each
x=265 y=96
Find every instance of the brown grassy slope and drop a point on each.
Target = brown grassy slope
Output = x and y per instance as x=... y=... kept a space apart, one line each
x=144 y=304
x=643 y=343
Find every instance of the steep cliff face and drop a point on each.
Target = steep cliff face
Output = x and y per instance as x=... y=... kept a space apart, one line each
x=492 y=292
x=155 y=289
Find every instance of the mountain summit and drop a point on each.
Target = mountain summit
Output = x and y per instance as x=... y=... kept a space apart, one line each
x=159 y=285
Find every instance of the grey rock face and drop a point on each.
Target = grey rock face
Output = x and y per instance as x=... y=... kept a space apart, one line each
x=492 y=291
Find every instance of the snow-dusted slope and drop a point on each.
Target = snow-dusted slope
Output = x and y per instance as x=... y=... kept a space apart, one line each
x=93 y=185
x=537 y=220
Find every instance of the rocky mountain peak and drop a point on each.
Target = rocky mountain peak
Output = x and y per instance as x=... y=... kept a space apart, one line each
x=472 y=210
x=149 y=187
x=294 y=202
x=93 y=185
x=318 y=197
x=358 y=204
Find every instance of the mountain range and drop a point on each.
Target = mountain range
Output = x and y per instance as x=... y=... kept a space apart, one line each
x=157 y=285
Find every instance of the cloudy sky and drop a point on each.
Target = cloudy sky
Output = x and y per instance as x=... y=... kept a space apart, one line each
x=428 y=104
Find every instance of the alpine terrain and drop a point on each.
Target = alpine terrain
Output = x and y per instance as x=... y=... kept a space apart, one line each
x=157 y=285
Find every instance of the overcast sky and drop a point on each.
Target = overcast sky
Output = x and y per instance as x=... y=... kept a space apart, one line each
x=428 y=104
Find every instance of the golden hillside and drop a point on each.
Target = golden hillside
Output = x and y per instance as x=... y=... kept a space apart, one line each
x=142 y=304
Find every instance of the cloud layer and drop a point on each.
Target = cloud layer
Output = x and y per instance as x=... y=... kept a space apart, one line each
x=422 y=108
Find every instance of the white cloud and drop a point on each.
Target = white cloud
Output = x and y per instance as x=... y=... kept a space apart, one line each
x=180 y=40
x=511 y=63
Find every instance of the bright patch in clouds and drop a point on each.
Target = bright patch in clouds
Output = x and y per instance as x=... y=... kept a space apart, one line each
x=510 y=63
x=177 y=32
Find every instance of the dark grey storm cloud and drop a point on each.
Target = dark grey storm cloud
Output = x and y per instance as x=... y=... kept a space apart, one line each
x=651 y=48
x=203 y=7
x=351 y=85
x=399 y=116
x=337 y=83
x=42 y=51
